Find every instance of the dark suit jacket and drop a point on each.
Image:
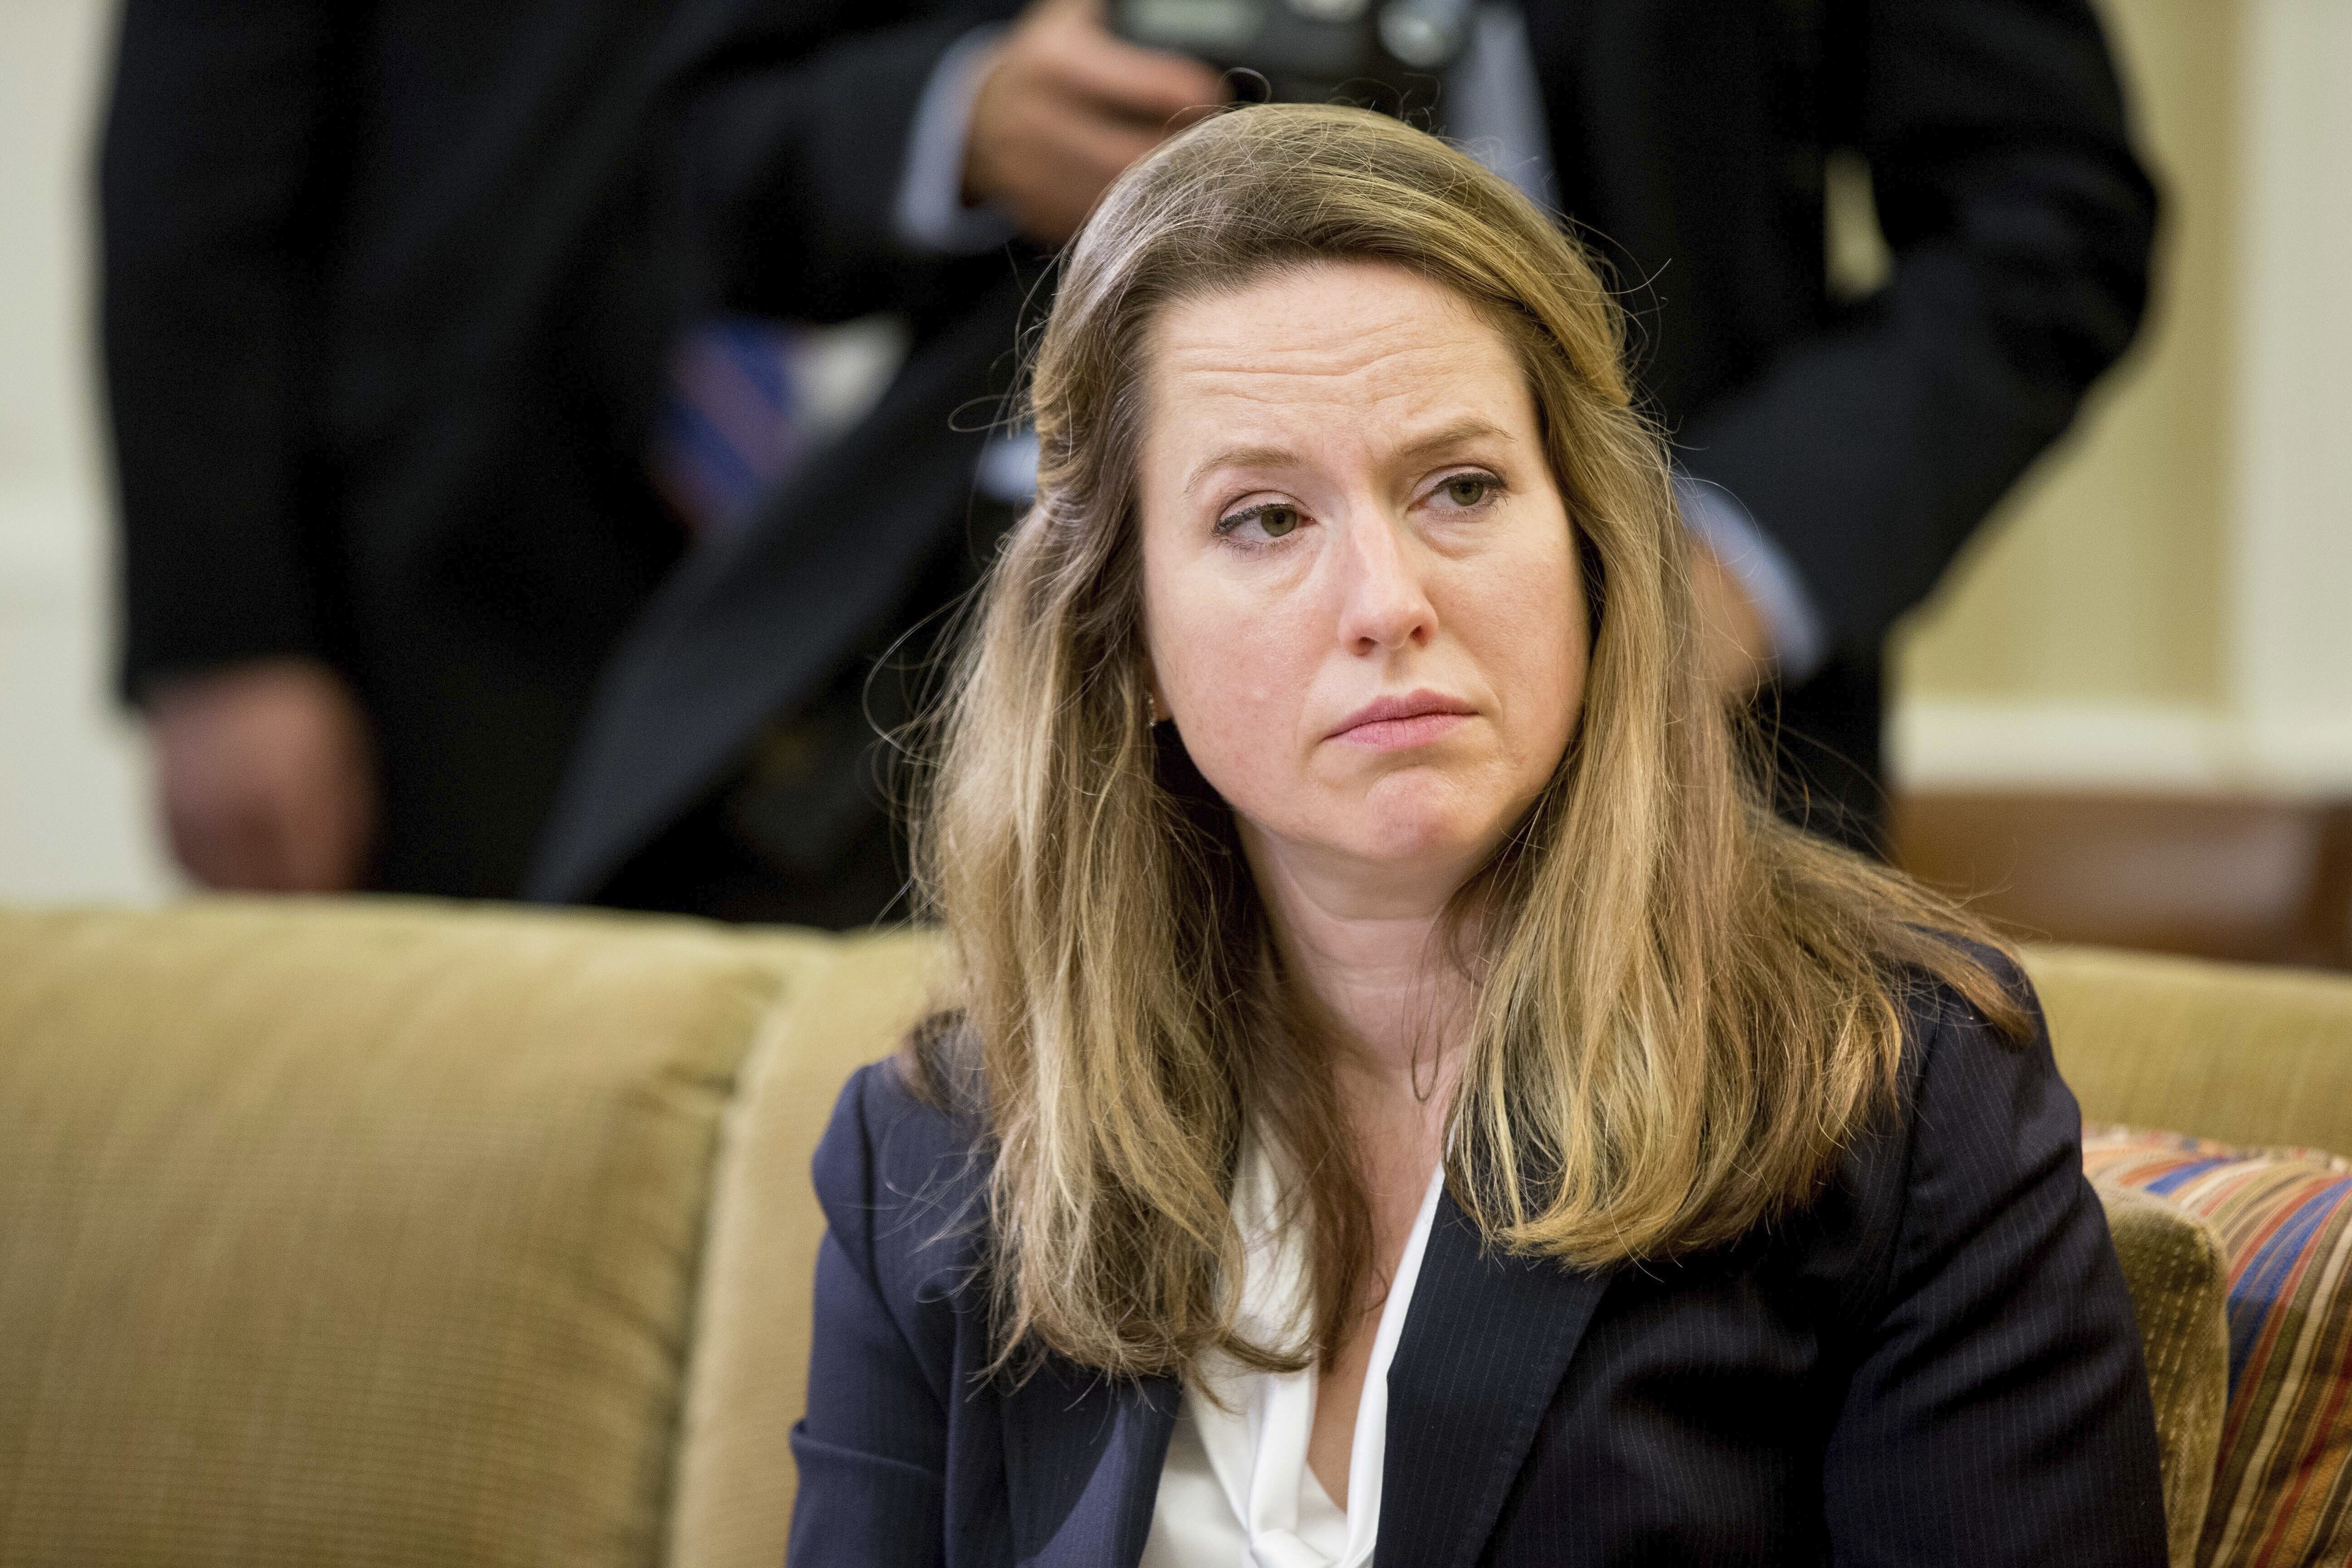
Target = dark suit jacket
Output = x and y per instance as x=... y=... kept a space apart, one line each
x=796 y=140
x=1936 y=1363
x=1867 y=439
x=388 y=289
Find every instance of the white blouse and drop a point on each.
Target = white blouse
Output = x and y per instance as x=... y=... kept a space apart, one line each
x=1237 y=1490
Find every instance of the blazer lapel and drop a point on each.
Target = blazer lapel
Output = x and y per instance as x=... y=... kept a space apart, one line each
x=1486 y=1342
x=1082 y=1462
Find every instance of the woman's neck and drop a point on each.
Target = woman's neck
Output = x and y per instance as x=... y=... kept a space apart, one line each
x=1372 y=964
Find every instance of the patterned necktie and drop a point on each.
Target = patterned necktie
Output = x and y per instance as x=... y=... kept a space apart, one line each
x=735 y=422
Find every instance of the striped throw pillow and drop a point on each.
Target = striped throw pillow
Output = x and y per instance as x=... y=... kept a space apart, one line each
x=2283 y=1493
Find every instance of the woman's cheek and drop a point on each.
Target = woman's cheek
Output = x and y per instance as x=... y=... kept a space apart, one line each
x=1230 y=751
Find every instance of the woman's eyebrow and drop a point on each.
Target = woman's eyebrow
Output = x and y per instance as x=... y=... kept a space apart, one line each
x=1239 y=458
x=1470 y=427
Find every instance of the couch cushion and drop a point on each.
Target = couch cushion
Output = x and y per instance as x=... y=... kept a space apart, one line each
x=2283 y=1489
x=2250 y=1056
x=2180 y=1282
x=749 y=1380
x=354 y=1233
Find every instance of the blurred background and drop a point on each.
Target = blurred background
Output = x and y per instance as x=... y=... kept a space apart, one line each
x=2146 y=658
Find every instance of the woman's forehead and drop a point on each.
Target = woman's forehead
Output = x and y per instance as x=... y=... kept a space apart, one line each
x=1319 y=318
x=1346 y=343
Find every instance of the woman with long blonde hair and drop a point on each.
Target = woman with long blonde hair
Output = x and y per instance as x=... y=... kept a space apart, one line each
x=1406 y=1097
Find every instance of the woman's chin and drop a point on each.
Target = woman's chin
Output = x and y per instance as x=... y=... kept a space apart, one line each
x=1420 y=814
x=1417 y=844
x=1420 y=829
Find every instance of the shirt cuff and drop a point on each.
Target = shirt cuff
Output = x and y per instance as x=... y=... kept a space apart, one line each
x=1008 y=466
x=930 y=214
x=1800 y=643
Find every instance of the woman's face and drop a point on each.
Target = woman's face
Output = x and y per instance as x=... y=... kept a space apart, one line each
x=1360 y=592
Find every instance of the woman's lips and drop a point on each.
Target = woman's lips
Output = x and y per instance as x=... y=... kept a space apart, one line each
x=1397 y=735
x=1395 y=723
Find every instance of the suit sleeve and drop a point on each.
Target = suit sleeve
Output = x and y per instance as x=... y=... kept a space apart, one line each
x=872 y=1447
x=2020 y=226
x=1999 y=1412
x=214 y=196
x=796 y=140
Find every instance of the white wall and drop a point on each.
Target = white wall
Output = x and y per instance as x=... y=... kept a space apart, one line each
x=2291 y=670
x=73 y=814
x=2164 y=601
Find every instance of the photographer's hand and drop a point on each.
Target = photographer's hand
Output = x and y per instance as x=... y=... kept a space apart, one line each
x=1065 y=107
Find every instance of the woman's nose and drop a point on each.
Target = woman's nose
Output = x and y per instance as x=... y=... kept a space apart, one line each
x=1385 y=603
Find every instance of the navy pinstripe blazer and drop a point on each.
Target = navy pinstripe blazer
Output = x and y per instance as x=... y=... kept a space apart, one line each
x=1936 y=1364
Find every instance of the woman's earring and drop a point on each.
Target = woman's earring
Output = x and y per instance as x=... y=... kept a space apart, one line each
x=1151 y=714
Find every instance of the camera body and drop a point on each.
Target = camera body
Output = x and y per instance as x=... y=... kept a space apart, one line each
x=1382 y=54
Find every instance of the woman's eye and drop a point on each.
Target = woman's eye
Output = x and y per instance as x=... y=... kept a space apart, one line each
x=1273 y=520
x=1468 y=489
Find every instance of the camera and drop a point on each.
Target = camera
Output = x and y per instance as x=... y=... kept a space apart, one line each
x=1382 y=54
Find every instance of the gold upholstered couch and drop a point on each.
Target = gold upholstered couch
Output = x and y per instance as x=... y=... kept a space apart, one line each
x=397 y=1233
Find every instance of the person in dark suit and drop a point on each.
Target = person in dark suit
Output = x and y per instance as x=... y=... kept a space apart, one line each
x=729 y=768
x=1404 y=1097
x=1837 y=451
x=387 y=295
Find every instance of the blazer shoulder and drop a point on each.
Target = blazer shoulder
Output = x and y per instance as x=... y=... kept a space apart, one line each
x=1983 y=1119
x=1972 y=1105
x=903 y=1181
x=1953 y=1049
